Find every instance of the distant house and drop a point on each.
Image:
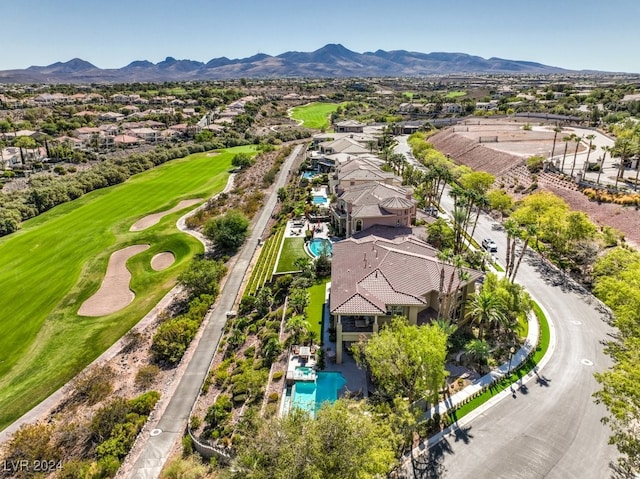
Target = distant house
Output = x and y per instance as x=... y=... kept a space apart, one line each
x=343 y=145
x=147 y=134
x=372 y=203
x=348 y=126
x=111 y=116
x=452 y=108
x=358 y=170
x=127 y=140
x=384 y=272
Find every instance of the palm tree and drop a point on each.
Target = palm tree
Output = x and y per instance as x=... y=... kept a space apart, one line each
x=605 y=149
x=513 y=231
x=622 y=149
x=566 y=140
x=298 y=326
x=485 y=309
x=577 y=139
x=556 y=130
x=478 y=349
x=530 y=232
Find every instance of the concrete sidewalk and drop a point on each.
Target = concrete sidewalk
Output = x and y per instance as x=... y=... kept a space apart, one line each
x=171 y=427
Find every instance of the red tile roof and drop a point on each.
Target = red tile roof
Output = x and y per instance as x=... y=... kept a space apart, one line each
x=370 y=272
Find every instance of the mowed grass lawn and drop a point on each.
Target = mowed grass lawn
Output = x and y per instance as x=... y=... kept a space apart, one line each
x=292 y=249
x=317 y=294
x=314 y=115
x=455 y=94
x=58 y=259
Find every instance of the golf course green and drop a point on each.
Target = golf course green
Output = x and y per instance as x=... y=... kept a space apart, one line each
x=314 y=115
x=58 y=259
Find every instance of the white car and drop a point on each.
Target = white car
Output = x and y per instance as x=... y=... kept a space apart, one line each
x=490 y=245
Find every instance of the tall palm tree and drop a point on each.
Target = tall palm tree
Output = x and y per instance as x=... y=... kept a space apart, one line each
x=605 y=149
x=529 y=232
x=556 y=130
x=485 y=309
x=622 y=149
x=577 y=139
x=566 y=140
x=513 y=231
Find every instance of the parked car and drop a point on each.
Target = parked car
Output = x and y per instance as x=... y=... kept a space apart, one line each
x=489 y=245
x=432 y=211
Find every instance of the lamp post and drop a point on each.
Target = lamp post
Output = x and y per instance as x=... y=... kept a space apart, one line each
x=511 y=351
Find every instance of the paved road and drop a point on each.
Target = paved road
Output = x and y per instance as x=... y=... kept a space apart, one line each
x=551 y=428
x=171 y=426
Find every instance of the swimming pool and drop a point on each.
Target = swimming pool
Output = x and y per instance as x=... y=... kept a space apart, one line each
x=309 y=396
x=320 y=200
x=309 y=174
x=318 y=246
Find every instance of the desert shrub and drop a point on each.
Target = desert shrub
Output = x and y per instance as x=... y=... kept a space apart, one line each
x=273 y=397
x=94 y=385
x=144 y=404
x=107 y=417
x=146 y=375
x=277 y=376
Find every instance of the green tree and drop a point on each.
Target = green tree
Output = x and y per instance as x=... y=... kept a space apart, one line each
x=227 y=232
x=485 y=309
x=345 y=441
x=203 y=277
x=242 y=160
x=406 y=360
x=617 y=283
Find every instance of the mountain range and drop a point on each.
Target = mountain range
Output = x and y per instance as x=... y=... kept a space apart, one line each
x=330 y=61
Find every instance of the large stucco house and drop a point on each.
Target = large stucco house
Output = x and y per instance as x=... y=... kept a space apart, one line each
x=372 y=203
x=383 y=272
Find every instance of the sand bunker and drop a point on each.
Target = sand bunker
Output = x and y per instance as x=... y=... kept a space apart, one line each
x=162 y=260
x=150 y=220
x=114 y=293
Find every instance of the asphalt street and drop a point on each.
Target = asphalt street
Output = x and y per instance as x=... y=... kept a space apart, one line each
x=551 y=427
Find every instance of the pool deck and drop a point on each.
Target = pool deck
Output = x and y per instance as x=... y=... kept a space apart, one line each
x=301 y=357
x=295 y=229
x=357 y=383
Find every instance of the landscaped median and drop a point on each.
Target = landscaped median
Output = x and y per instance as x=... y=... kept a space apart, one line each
x=524 y=365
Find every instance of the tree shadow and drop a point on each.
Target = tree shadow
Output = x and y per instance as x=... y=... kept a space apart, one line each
x=430 y=463
x=541 y=380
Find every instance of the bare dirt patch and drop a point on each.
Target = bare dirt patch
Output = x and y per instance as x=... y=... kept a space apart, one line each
x=153 y=219
x=162 y=261
x=114 y=293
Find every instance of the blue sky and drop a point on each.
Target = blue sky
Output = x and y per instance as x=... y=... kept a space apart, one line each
x=586 y=34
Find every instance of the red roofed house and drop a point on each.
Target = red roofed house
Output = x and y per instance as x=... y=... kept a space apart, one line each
x=384 y=272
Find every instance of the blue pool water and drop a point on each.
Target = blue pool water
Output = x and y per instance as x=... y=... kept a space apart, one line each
x=309 y=174
x=319 y=245
x=309 y=396
x=320 y=200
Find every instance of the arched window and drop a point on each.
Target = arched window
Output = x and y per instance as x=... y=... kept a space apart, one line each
x=358 y=225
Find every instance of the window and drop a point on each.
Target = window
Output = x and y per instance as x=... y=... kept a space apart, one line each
x=359 y=225
x=395 y=310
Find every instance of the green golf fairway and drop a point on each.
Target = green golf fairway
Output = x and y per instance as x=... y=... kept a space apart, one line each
x=314 y=115
x=58 y=259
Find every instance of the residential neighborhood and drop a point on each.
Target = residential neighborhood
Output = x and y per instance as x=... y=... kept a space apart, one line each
x=343 y=276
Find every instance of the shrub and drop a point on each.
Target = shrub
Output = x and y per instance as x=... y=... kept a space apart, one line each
x=239 y=398
x=94 y=385
x=277 y=376
x=146 y=375
x=273 y=397
x=144 y=404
